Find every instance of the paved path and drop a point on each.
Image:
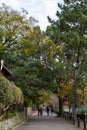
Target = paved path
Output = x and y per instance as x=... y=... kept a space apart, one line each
x=46 y=123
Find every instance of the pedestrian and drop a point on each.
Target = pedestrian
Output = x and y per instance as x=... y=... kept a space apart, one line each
x=38 y=108
x=41 y=111
x=52 y=110
x=48 y=110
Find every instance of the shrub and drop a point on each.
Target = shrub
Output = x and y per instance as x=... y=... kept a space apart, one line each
x=6 y=94
x=18 y=95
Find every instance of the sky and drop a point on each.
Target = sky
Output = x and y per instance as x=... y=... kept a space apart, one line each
x=39 y=9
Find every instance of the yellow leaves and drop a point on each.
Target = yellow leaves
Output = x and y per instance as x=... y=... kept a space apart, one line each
x=18 y=95
x=53 y=46
x=52 y=50
x=82 y=96
x=65 y=91
x=79 y=91
x=85 y=90
x=59 y=48
x=49 y=42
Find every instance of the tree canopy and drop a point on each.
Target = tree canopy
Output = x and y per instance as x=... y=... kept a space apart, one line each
x=54 y=60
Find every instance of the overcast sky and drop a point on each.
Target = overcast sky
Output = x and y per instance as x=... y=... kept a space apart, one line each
x=39 y=9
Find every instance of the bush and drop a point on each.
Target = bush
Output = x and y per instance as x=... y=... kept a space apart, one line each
x=18 y=95
x=10 y=95
x=6 y=94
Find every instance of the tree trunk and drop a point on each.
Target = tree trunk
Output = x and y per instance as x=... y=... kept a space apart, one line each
x=74 y=84
x=60 y=107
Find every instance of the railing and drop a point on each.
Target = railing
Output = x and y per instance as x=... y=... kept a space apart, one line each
x=80 y=120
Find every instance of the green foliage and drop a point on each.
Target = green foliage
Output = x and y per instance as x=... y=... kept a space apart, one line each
x=14 y=26
x=9 y=95
x=27 y=102
x=72 y=26
x=71 y=29
x=18 y=95
x=45 y=60
x=6 y=94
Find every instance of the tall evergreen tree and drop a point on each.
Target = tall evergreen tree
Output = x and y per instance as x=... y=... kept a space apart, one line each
x=71 y=28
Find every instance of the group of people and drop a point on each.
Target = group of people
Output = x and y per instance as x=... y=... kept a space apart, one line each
x=49 y=110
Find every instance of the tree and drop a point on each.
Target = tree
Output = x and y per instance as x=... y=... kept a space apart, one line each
x=72 y=35
x=17 y=43
x=14 y=25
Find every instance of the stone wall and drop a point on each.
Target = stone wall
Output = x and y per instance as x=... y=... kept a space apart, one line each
x=10 y=123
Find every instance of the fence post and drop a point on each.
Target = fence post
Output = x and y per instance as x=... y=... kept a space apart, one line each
x=78 y=122
x=67 y=116
x=73 y=120
x=84 y=124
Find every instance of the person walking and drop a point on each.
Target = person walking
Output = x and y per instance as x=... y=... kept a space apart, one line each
x=48 y=110
x=52 y=110
x=38 y=108
x=40 y=111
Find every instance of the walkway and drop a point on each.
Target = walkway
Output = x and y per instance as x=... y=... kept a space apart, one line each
x=46 y=123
